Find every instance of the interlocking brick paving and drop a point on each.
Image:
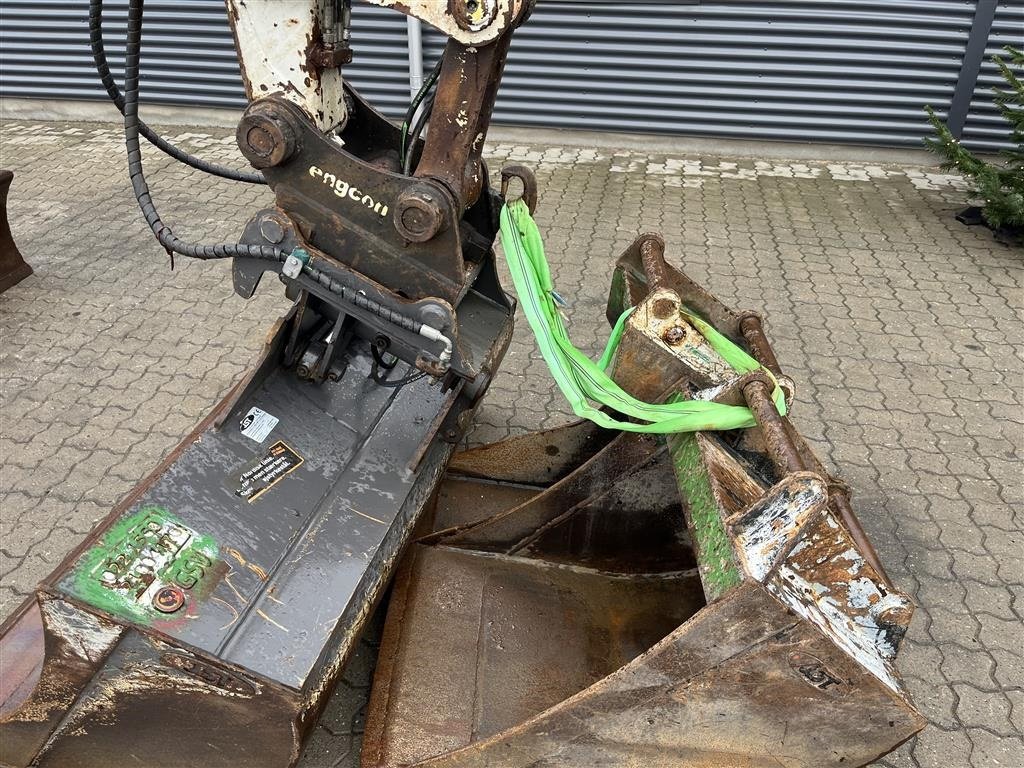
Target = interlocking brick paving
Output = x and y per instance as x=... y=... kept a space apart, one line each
x=901 y=327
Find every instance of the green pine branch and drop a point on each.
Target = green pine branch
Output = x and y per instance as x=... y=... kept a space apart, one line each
x=1000 y=186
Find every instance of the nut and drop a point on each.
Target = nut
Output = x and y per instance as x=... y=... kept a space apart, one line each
x=674 y=335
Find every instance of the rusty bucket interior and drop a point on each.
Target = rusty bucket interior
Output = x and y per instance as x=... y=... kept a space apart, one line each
x=554 y=611
x=549 y=562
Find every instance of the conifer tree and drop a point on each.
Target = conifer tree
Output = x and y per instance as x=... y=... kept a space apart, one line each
x=1000 y=185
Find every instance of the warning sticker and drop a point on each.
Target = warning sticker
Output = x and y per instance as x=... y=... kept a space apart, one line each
x=257 y=424
x=255 y=479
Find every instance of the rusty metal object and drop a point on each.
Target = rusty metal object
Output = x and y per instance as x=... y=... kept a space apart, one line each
x=13 y=268
x=472 y=22
x=473 y=15
x=536 y=458
x=778 y=443
x=267 y=135
x=339 y=205
x=420 y=212
x=334 y=49
x=630 y=286
x=283 y=47
x=760 y=347
x=652 y=255
x=20 y=662
x=550 y=655
x=330 y=57
x=527 y=178
x=460 y=117
x=550 y=614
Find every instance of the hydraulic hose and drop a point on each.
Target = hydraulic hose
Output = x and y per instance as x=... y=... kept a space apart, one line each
x=164 y=235
x=174 y=244
x=99 y=56
x=406 y=146
x=421 y=122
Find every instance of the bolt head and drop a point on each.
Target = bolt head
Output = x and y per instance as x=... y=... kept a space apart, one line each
x=419 y=214
x=272 y=230
x=169 y=599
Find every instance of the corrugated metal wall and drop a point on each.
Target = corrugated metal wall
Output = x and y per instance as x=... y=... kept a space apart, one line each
x=853 y=71
x=800 y=70
x=188 y=55
x=985 y=127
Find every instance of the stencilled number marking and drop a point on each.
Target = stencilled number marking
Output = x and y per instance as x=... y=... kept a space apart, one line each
x=141 y=555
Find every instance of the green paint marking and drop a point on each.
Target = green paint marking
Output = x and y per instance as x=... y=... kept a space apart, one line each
x=618 y=296
x=138 y=555
x=715 y=556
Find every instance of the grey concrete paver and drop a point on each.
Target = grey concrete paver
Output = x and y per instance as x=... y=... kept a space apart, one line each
x=901 y=327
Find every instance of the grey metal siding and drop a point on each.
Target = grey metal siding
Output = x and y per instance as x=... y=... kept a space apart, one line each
x=985 y=128
x=848 y=71
x=814 y=70
x=188 y=54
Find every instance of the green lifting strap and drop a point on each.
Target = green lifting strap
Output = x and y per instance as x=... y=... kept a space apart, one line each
x=584 y=382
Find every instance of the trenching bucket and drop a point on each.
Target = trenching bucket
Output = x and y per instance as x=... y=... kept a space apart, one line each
x=583 y=598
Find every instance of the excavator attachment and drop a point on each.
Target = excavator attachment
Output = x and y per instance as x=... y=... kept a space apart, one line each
x=580 y=598
x=207 y=619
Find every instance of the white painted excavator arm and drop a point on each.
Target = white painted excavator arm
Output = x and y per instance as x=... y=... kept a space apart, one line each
x=284 y=46
x=472 y=22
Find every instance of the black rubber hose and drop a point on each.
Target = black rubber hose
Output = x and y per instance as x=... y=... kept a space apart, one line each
x=172 y=242
x=410 y=113
x=99 y=56
x=414 y=135
x=163 y=233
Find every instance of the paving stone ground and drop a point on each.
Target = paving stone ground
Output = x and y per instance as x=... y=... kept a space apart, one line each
x=901 y=327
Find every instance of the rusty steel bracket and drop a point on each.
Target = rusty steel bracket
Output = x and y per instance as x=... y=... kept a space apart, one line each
x=463 y=103
x=527 y=178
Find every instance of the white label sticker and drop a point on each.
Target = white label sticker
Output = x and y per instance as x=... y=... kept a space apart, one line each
x=257 y=424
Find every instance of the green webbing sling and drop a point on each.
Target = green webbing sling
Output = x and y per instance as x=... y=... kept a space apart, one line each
x=584 y=382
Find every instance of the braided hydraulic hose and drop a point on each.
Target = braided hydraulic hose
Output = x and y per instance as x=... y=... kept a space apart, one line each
x=405 y=146
x=99 y=56
x=174 y=244
x=163 y=233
